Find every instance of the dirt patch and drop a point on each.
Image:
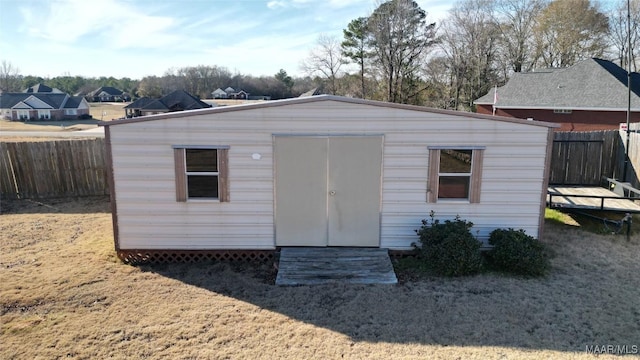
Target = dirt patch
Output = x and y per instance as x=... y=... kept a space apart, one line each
x=63 y=293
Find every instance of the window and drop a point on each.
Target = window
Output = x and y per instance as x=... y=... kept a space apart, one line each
x=70 y=112
x=201 y=173
x=23 y=114
x=455 y=174
x=44 y=114
x=562 y=111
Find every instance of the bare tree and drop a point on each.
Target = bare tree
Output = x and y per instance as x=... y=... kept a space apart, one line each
x=470 y=42
x=516 y=21
x=568 y=31
x=325 y=60
x=619 y=33
x=10 y=79
x=400 y=41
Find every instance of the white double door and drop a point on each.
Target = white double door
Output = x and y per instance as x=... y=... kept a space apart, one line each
x=328 y=190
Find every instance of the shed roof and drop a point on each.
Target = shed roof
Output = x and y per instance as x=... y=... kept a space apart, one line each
x=322 y=98
x=592 y=84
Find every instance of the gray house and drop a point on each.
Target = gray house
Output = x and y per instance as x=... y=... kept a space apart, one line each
x=318 y=171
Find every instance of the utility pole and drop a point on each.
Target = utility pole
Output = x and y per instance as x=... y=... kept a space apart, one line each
x=625 y=176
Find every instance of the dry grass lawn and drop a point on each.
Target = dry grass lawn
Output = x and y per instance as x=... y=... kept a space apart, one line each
x=63 y=294
x=107 y=111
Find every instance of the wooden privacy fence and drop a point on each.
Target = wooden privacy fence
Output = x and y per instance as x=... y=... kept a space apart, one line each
x=584 y=158
x=633 y=170
x=53 y=169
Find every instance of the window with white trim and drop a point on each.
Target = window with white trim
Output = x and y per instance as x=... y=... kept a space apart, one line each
x=201 y=173
x=70 y=112
x=23 y=114
x=455 y=174
x=44 y=114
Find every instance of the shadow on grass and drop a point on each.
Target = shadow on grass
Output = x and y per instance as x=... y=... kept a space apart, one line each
x=593 y=221
x=66 y=205
x=562 y=312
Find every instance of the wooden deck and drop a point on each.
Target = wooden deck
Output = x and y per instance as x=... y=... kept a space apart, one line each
x=314 y=266
x=589 y=198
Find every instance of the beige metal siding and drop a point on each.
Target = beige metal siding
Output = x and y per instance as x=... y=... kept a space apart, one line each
x=150 y=217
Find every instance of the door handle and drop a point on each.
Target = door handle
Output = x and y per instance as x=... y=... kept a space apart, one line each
x=332 y=192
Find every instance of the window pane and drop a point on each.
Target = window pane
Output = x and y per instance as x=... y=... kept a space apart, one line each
x=202 y=160
x=453 y=187
x=200 y=186
x=455 y=161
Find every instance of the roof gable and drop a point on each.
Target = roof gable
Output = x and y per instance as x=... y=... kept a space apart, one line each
x=106 y=90
x=42 y=88
x=319 y=99
x=589 y=84
x=76 y=102
x=33 y=100
x=175 y=101
x=36 y=103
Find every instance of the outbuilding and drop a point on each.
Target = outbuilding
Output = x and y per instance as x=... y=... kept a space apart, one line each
x=317 y=171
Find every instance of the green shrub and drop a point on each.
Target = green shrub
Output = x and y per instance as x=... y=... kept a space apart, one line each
x=449 y=248
x=516 y=252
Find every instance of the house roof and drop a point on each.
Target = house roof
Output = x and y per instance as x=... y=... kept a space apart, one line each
x=54 y=100
x=107 y=89
x=592 y=84
x=41 y=88
x=73 y=102
x=323 y=98
x=313 y=92
x=177 y=100
x=139 y=103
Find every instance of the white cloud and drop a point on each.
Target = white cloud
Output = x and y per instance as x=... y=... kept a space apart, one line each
x=115 y=23
x=276 y=4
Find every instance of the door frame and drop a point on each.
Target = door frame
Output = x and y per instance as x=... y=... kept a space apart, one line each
x=326 y=136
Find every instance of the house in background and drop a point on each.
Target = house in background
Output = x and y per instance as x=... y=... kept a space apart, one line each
x=178 y=100
x=42 y=88
x=107 y=94
x=590 y=95
x=229 y=93
x=49 y=105
x=318 y=171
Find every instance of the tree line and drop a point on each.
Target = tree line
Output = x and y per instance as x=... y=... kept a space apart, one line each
x=198 y=80
x=394 y=54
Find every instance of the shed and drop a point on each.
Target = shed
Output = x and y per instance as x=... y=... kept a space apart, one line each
x=318 y=171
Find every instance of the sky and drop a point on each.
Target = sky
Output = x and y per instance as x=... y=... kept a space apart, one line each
x=138 y=38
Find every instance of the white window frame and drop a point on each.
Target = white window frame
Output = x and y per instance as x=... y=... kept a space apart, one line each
x=70 y=112
x=210 y=174
x=182 y=175
x=22 y=114
x=44 y=114
x=475 y=174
